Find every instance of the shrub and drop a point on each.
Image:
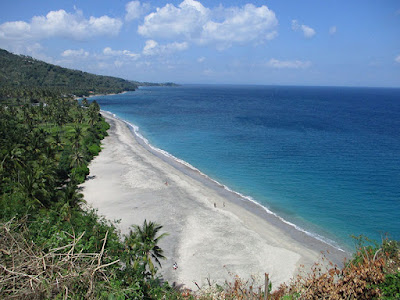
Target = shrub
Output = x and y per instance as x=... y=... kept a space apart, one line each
x=79 y=173
x=94 y=149
x=391 y=286
x=371 y=274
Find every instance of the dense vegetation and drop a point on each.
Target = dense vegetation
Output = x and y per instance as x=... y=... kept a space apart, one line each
x=51 y=247
x=23 y=76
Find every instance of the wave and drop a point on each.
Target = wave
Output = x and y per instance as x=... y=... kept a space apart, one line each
x=135 y=130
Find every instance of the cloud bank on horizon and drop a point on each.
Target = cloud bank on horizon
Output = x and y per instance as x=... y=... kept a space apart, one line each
x=204 y=42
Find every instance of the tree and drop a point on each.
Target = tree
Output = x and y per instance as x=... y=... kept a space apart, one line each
x=142 y=246
x=15 y=161
x=77 y=158
x=33 y=184
x=94 y=113
x=76 y=137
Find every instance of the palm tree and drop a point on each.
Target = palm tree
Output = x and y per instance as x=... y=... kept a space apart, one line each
x=71 y=195
x=93 y=117
x=79 y=115
x=142 y=241
x=33 y=184
x=77 y=158
x=76 y=137
x=57 y=142
x=72 y=199
x=93 y=113
x=14 y=161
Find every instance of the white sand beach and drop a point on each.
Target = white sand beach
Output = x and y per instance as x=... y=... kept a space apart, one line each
x=212 y=235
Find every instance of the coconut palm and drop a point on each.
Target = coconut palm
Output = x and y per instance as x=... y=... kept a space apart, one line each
x=142 y=241
x=77 y=158
x=71 y=195
x=33 y=184
x=93 y=113
x=76 y=137
x=79 y=115
x=57 y=142
x=13 y=162
x=93 y=117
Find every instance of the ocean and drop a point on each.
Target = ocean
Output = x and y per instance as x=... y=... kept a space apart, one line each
x=326 y=159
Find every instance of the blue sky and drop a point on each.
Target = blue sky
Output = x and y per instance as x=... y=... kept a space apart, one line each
x=285 y=42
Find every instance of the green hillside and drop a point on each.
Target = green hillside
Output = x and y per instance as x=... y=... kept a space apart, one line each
x=24 y=73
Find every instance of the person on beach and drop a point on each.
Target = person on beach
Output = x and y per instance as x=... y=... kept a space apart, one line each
x=175 y=266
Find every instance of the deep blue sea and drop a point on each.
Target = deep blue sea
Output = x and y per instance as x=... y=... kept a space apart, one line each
x=324 y=158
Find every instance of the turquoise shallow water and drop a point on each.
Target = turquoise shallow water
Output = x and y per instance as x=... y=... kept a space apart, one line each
x=324 y=158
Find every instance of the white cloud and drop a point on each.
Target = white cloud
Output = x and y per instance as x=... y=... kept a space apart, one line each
x=246 y=24
x=186 y=20
x=332 y=30
x=134 y=10
x=150 y=46
x=110 y=52
x=193 y=22
x=14 y=30
x=288 y=64
x=75 y=53
x=308 y=32
x=397 y=59
x=201 y=59
x=153 y=48
x=60 y=24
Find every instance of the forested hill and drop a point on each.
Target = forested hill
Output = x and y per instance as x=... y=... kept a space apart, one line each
x=26 y=73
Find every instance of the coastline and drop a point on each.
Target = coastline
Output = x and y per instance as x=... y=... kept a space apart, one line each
x=233 y=196
x=98 y=95
x=213 y=232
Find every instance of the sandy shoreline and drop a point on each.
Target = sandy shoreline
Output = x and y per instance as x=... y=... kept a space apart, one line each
x=213 y=233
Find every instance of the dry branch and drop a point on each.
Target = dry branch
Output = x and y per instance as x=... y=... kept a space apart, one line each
x=27 y=272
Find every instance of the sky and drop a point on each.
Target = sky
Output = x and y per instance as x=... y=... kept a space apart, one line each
x=271 y=42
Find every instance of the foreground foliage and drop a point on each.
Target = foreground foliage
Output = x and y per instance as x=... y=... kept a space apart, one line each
x=49 y=246
x=371 y=274
x=28 y=272
x=76 y=269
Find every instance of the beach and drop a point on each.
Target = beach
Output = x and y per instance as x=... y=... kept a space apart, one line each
x=213 y=233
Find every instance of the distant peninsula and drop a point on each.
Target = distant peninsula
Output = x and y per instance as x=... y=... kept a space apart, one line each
x=23 y=77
